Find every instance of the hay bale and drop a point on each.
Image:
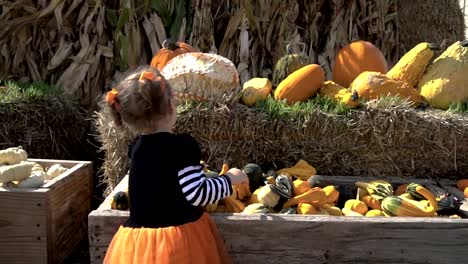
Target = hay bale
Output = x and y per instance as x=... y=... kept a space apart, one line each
x=429 y=20
x=46 y=126
x=379 y=141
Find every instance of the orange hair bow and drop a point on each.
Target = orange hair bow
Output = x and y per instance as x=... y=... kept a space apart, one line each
x=151 y=77
x=111 y=96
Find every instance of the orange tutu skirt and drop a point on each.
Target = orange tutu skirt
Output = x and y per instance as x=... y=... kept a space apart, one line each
x=197 y=242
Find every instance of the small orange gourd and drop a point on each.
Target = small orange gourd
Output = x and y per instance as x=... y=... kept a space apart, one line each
x=401 y=189
x=301 y=84
x=371 y=202
x=462 y=184
x=356 y=206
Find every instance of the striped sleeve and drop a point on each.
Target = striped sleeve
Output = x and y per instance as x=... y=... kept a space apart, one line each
x=200 y=190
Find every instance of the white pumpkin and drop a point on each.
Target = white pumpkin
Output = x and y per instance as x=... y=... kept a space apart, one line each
x=201 y=76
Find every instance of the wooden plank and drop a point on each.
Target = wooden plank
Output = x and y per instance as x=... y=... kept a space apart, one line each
x=276 y=238
x=70 y=203
x=23 y=226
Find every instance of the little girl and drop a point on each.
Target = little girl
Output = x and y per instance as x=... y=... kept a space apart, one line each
x=166 y=184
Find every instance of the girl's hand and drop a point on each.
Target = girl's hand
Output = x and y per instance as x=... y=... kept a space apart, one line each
x=237 y=176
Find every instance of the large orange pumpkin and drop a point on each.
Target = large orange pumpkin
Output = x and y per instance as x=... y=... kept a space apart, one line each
x=169 y=51
x=355 y=58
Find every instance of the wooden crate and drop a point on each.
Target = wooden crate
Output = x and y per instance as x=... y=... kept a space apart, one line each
x=275 y=238
x=44 y=225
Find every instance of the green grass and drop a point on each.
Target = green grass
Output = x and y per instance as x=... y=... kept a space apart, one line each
x=13 y=91
x=459 y=108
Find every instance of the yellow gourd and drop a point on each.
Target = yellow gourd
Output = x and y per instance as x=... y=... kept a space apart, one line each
x=339 y=94
x=332 y=194
x=300 y=186
x=411 y=67
x=349 y=212
x=374 y=85
x=301 y=84
x=356 y=206
x=13 y=155
x=334 y=211
x=306 y=208
x=254 y=90
x=445 y=81
x=16 y=172
x=374 y=212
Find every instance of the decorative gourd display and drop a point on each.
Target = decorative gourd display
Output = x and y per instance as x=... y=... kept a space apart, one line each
x=411 y=67
x=168 y=51
x=374 y=85
x=288 y=64
x=255 y=90
x=446 y=79
x=339 y=94
x=301 y=84
x=356 y=58
x=201 y=76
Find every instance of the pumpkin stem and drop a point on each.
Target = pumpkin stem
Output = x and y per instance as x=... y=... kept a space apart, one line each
x=170 y=44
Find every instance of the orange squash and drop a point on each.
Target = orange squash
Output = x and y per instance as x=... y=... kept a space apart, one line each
x=355 y=58
x=371 y=202
x=169 y=51
x=401 y=189
x=462 y=184
x=301 y=84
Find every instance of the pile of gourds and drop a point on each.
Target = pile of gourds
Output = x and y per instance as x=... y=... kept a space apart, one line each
x=360 y=71
x=302 y=193
x=17 y=172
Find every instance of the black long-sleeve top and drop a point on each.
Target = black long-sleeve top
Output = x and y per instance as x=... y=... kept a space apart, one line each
x=167 y=186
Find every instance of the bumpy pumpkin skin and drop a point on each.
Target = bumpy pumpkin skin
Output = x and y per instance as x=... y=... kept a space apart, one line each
x=356 y=58
x=169 y=51
x=198 y=76
x=301 y=84
x=373 y=85
x=411 y=67
x=446 y=79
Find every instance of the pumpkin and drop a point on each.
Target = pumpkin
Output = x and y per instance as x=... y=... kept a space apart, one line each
x=374 y=85
x=198 y=76
x=168 y=51
x=301 y=84
x=356 y=58
x=288 y=64
x=411 y=67
x=255 y=90
x=445 y=81
x=339 y=94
